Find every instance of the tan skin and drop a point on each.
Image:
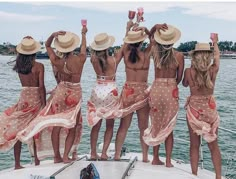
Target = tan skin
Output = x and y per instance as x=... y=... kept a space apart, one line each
x=194 y=138
x=33 y=79
x=135 y=72
x=112 y=63
x=75 y=65
x=177 y=73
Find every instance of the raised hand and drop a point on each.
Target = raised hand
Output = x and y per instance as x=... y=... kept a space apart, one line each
x=55 y=34
x=28 y=37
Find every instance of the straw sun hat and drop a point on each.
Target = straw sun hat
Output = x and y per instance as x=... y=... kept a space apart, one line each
x=102 y=41
x=201 y=47
x=66 y=43
x=135 y=37
x=167 y=37
x=28 y=46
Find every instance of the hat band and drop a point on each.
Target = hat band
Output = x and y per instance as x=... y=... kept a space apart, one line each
x=67 y=44
x=28 y=47
x=167 y=37
x=106 y=44
x=101 y=42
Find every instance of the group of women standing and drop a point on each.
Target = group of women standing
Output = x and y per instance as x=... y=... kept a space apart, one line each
x=54 y=126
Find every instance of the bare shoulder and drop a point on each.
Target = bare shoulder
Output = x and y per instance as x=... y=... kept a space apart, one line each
x=39 y=66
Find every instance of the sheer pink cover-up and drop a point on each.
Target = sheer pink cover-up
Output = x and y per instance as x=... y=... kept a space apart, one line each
x=61 y=109
x=203 y=116
x=103 y=103
x=164 y=106
x=16 y=118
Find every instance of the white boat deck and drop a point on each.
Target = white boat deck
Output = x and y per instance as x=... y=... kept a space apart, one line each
x=107 y=170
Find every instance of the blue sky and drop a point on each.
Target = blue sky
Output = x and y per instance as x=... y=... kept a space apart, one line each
x=196 y=20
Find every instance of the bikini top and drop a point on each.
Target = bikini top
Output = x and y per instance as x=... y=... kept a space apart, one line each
x=65 y=69
x=136 y=69
x=104 y=77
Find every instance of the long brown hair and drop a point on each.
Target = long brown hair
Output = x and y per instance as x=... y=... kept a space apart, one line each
x=23 y=63
x=201 y=62
x=133 y=56
x=164 y=56
x=102 y=58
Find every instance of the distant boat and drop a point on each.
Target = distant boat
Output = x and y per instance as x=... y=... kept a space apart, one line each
x=42 y=53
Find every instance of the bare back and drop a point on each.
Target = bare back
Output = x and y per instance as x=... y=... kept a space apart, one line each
x=189 y=79
x=137 y=72
x=32 y=79
x=174 y=71
x=110 y=72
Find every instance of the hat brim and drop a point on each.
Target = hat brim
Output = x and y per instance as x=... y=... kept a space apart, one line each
x=24 y=52
x=199 y=50
x=68 y=49
x=132 y=41
x=96 y=47
x=165 y=42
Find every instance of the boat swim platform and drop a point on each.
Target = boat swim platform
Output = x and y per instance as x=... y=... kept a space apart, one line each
x=129 y=167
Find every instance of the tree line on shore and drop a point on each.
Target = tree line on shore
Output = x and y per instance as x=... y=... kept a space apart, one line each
x=224 y=46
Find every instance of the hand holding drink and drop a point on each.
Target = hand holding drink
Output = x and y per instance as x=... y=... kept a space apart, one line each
x=131 y=15
x=140 y=14
x=214 y=37
x=84 y=22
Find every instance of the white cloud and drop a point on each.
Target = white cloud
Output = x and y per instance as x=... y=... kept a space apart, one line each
x=14 y=17
x=216 y=10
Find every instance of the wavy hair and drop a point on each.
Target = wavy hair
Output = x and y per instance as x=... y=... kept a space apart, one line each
x=133 y=56
x=23 y=63
x=164 y=56
x=201 y=62
x=102 y=58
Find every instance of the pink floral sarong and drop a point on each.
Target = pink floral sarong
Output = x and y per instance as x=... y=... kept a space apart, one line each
x=61 y=110
x=163 y=101
x=202 y=116
x=103 y=103
x=16 y=118
x=134 y=96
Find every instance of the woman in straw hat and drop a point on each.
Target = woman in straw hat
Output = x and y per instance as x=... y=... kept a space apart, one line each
x=32 y=98
x=163 y=99
x=134 y=96
x=202 y=116
x=63 y=109
x=104 y=100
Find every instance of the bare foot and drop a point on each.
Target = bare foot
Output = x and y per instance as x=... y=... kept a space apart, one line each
x=37 y=162
x=94 y=157
x=169 y=164
x=157 y=162
x=18 y=167
x=67 y=160
x=146 y=161
x=58 y=160
x=104 y=157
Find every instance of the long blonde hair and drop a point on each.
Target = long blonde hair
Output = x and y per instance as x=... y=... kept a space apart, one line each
x=201 y=62
x=163 y=56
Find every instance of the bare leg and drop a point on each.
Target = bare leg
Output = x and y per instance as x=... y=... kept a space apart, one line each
x=56 y=143
x=121 y=134
x=68 y=144
x=107 y=137
x=194 y=150
x=216 y=157
x=36 y=160
x=143 y=117
x=169 y=146
x=93 y=140
x=156 y=160
x=17 y=151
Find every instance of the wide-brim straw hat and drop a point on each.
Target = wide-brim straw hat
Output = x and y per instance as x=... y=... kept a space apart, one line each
x=28 y=46
x=167 y=37
x=67 y=42
x=102 y=41
x=135 y=37
x=201 y=47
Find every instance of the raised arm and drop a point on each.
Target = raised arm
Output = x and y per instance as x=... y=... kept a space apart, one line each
x=51 y=53
x=83 y=47
x=216 y=62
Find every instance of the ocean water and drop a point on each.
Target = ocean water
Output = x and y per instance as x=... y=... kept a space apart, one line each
x=10 y=88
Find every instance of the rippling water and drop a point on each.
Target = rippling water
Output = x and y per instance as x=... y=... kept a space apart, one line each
x=224 y=92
